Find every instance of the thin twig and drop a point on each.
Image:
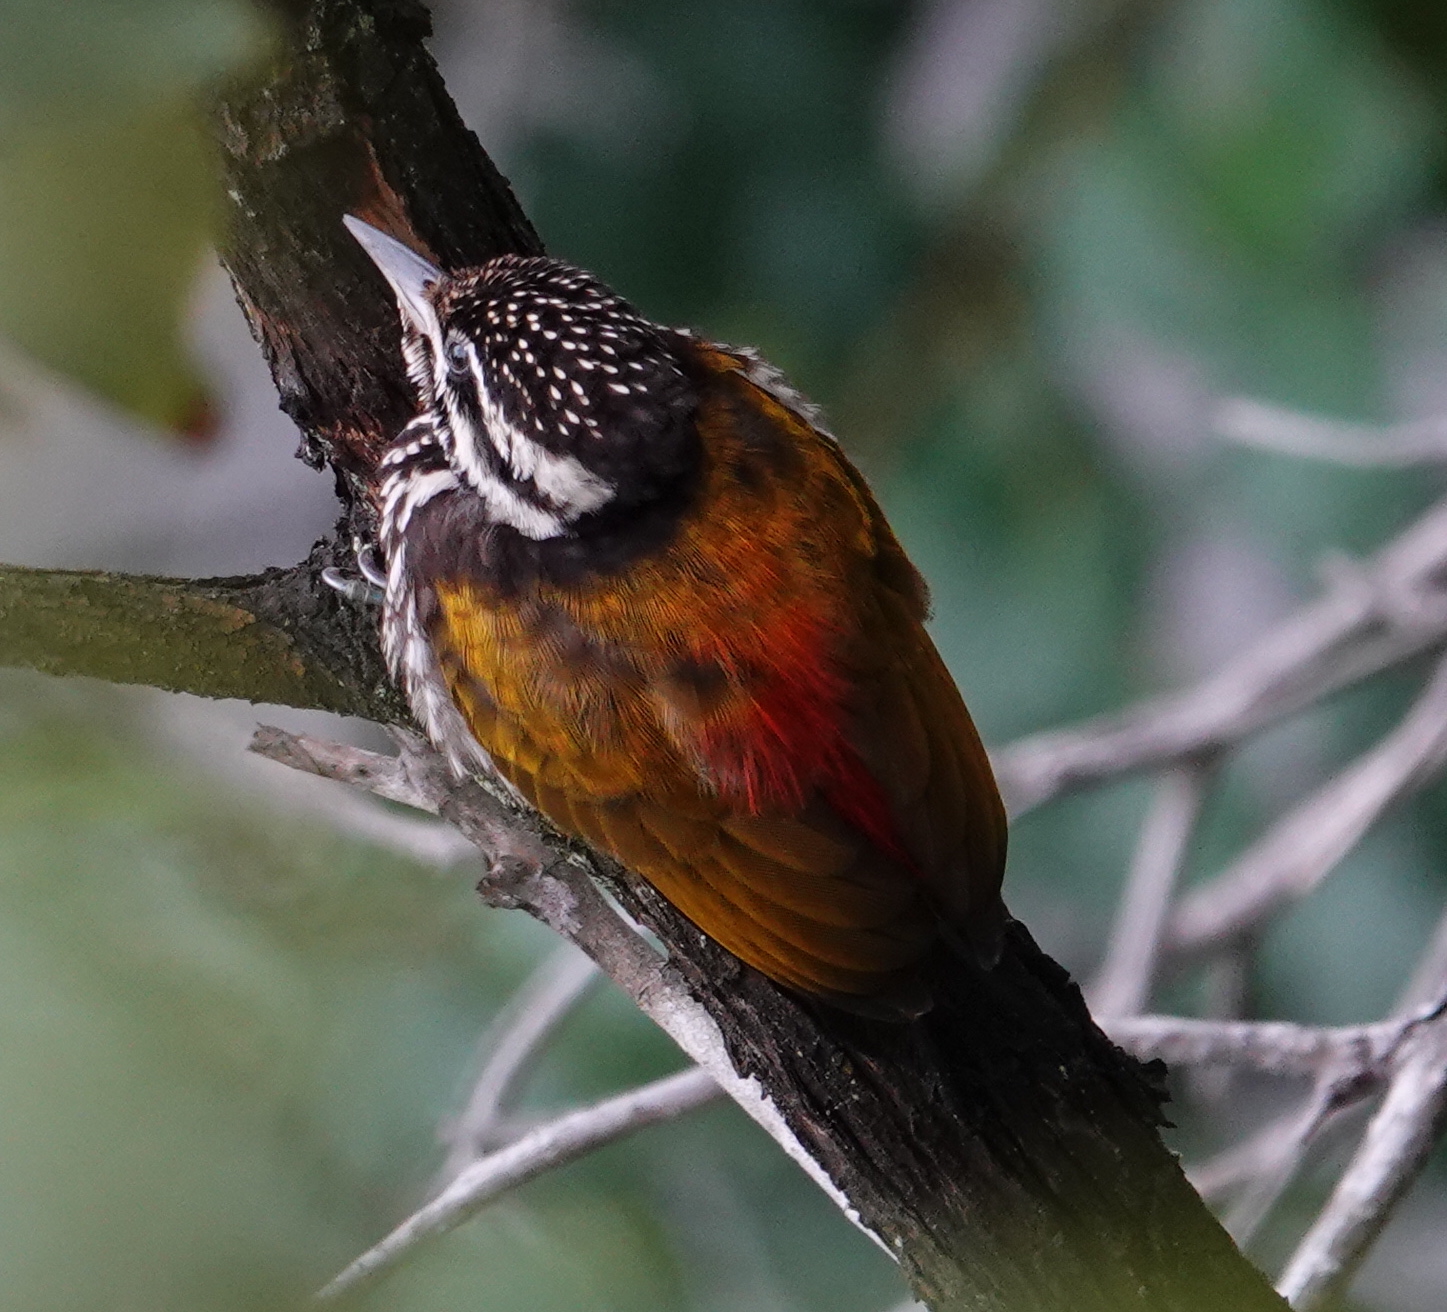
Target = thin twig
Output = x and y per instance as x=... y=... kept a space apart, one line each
x=1283 y=1154
x=1429 y=976
x=1393 y=1152
x=544 y=1149
x=206 y=734
x=1222 y=1175
x=513 y=1045
x=1271 y=428
x=1371 y=618
x=1272 y=1047
x=1341 y=1084
x=1394 y=1149
x=1274 y=1153
x=384 y=776
x=1302 y=848
x=531 y=870
x=1123 y=986
x=1225 y=995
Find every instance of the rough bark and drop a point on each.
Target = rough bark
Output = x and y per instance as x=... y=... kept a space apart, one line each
x=353 y=119
x=1002 y=1148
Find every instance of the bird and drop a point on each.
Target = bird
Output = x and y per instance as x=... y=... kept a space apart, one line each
x=628 y=571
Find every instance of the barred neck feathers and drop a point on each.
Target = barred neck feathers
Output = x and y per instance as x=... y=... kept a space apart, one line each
x=415 y=470
x=417 y=478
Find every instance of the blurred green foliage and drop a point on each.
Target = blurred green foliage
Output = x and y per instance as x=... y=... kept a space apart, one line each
x=107 y=188
x=227 y=1040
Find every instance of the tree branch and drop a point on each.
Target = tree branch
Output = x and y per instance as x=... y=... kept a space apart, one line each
x=1304 y=846
x=1272 y=428
x=1272 y=1047
x=1372 y=617
x=533 y=869
x=543 y=1149
x=512 y=1045
x=279 y=637
x=1396 y=1147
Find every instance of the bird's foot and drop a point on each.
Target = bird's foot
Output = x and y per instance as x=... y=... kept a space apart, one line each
x=364 y=588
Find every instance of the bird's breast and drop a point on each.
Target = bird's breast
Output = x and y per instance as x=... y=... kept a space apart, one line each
x=717 y=653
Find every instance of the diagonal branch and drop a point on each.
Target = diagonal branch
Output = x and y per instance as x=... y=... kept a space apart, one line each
x=1268 y=1161
x=1301 y=849
x=1283 y=1153
x=1371 y=618
x=1272 y=428
x=543 y=1149
x=1396 y=1147
x=531 y=869
x=1397 y=1144
x=513 y=1045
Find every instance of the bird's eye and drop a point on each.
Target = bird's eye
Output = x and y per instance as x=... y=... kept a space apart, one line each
x=456 y=352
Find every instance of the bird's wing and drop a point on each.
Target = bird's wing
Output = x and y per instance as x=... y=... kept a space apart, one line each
x=916 y=737
x=756 y=721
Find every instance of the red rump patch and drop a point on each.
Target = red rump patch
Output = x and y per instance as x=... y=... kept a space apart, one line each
x=792 y=738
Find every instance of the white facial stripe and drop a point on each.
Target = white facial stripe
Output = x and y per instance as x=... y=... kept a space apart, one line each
x=563 y=480
x=506 y=507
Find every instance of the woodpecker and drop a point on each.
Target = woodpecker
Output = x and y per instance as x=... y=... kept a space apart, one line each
x=629 y=571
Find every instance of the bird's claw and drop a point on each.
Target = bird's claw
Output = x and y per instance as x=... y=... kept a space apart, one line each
x=365 y=588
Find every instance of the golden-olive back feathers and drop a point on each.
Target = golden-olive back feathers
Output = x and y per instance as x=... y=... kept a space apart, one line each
x=750 y=714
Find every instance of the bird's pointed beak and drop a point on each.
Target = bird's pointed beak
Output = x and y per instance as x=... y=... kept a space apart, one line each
x=409 y=274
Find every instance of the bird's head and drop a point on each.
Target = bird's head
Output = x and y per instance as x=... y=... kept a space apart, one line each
x=554 y=399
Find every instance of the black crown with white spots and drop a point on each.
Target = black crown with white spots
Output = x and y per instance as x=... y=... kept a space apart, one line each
x=543 y=360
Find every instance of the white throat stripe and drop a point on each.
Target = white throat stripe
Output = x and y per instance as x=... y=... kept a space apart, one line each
x=564 y=481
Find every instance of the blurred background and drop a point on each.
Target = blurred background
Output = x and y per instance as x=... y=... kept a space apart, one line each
x=1020 y=249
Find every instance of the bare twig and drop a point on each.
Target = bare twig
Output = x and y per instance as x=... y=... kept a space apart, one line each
x=543 y=1149
x=512 y=1046
x=1283 y=1153
x=1302 y=848
x=1271 y=428
x=383 y=776
x=1272 y=1047
x=1392 y=1154
x=1352 y=1072
x=1270 y=1158
x=1429 y=977
x=533 y=871
x=1370 y=618
x=1394 y=1149
x=1123 y=987
x=1220 y=1176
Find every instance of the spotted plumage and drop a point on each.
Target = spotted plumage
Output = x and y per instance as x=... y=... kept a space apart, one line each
x=627 y=570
